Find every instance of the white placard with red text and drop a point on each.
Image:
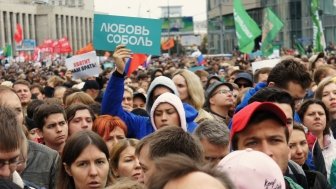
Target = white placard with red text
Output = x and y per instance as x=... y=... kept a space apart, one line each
x=84 y=65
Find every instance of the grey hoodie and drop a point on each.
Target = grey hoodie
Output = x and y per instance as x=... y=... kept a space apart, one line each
x=159 y=81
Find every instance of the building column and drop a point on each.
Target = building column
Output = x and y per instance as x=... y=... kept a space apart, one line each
x=2 y=30
x=84 y=31
x=90 y=29
x=15 y=20
x=9 y=29
x=75 y=36
x=33 y=27
x=70 y=28
x=27 y=28
x=79 y=32
x=64 y=26
x=87 y=29
x=58 y=26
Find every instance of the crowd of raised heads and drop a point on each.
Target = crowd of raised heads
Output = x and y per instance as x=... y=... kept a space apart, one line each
x=170 y=124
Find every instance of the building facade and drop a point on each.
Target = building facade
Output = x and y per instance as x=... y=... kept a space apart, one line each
x=294 y=13
x=47 y=19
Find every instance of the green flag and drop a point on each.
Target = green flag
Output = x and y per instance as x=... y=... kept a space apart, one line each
x=319 y=40
x=300 y=48
x=246 y=28
x=8 y=51
x=271 y=27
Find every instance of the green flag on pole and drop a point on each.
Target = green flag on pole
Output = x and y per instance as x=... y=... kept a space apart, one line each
x=300 y=48
x=319 y=40
x=7 y=51
x=271 y=27
x=246 y=28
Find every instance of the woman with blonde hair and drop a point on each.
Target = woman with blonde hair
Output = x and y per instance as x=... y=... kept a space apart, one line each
x=326 y=91
x=123 y=161
x=191 y=91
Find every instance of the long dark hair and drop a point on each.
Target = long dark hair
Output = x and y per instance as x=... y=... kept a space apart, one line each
x=74 y=146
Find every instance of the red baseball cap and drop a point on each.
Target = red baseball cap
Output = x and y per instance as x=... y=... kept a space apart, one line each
x=241 y=118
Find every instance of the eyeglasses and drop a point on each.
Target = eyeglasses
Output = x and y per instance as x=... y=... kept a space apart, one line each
x=298 y=101
x=11 y=162
x=222 y=91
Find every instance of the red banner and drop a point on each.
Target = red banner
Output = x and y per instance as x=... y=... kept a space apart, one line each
x=18 y=35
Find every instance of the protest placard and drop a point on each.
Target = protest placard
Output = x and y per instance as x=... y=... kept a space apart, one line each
x=264 y=63
x=141 y=35
x=83 y=66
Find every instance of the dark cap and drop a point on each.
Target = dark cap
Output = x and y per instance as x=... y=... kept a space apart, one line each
x=244 y=75
x=91 y=84
x=213 y=86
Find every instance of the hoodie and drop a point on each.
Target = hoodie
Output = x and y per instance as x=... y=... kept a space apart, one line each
x=139 y=126
x=159 y=81
x=174 y=101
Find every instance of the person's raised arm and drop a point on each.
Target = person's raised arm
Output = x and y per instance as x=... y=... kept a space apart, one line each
x=112 y=100
x=119 y=56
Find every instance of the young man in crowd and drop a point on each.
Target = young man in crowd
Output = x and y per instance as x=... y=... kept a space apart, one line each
x=219 y=101
x=52 y=125
x=262 y=126
x=21 y=87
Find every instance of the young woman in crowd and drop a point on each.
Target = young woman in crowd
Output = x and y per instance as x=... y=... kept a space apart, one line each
x=79 y=117
x=298 y=145
x=123 y=161
x=84 y=162
x=110 y=128
x=168 y=110
x=315 y=117
x=326 y=91
x=191 y=91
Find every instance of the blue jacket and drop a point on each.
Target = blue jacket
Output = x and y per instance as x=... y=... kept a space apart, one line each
x=138 y=126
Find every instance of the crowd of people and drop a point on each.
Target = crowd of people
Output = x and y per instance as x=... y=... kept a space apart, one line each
x=170 y=125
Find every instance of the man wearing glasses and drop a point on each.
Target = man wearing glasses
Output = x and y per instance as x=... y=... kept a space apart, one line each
x=11 y=139
x=219 y=100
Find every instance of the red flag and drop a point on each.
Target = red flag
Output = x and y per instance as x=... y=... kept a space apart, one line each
x=56 y=47
x=47 y=46
x=65 y=45
x=134 y=62
x=18 y=35
x=168 y=44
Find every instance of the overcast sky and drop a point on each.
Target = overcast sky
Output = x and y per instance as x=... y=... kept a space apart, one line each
x=150 y=8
